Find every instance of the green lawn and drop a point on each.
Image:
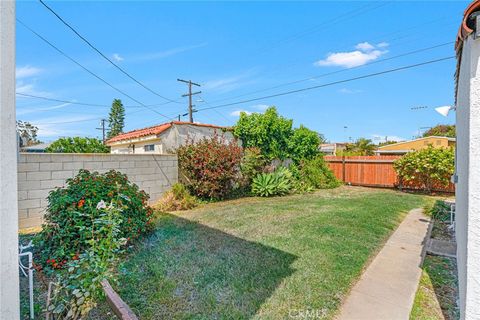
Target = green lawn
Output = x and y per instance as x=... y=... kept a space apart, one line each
x=259 y=258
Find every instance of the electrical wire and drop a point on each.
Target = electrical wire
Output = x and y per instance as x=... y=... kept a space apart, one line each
x=88 y=70
x=103 y=55
x=332 y=83
x=336 y=72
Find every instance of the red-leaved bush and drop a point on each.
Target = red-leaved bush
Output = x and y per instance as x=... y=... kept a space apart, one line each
x=210 y=166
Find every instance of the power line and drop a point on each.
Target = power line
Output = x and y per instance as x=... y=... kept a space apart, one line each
x=331 y=83
x=62 y=101
x=338 y=71
x=103 y=55
x=88 y=70
x=82 y=103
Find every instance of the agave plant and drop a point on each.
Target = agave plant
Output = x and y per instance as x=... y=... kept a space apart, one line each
x=272 y=184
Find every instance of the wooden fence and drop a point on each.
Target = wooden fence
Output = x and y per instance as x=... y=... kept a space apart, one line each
x=372 y=171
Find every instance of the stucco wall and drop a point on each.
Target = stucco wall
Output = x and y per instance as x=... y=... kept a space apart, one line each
x=419 y=144
x=40 y=173
x=468 y=186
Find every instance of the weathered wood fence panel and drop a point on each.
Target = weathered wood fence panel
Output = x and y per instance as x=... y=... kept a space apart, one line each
x=371 y=171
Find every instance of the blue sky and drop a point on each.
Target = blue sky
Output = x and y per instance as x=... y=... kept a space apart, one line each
x=235 y=49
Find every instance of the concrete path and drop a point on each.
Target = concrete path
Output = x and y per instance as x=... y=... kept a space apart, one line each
x=387 y=288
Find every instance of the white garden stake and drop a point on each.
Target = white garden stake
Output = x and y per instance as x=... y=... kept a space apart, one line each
x=28 y=269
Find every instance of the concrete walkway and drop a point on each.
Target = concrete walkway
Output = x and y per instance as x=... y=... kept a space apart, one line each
x=387 y=288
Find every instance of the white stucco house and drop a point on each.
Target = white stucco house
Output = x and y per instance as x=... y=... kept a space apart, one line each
x=165 y=138
x=467 y=174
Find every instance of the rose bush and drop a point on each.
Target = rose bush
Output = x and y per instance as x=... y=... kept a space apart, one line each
x=72 y=211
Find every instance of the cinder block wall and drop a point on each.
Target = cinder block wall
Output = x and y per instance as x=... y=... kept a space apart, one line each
x=38 y=174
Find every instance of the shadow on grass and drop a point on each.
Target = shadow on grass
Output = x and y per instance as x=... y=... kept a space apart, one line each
x=188 y=270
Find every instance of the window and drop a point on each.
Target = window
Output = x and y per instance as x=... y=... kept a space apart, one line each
x=149 y=147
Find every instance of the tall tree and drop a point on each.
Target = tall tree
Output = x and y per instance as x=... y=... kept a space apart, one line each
x=116 y=119
x=442 y=130
x=28 y=133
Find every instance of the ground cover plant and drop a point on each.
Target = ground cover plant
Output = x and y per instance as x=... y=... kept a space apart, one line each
x=259 y=258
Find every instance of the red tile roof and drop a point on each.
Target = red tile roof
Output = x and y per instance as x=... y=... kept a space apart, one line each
x=465 y=27
x=155 y=130
x=463 y=32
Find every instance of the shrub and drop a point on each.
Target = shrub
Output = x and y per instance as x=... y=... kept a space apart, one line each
x=315 y=173
x=77 y=288
x=252 y=164
x=211 y=166
x=440 y=211
x=78 y=145
x=272 y=184
x=304 y=143
x=72 y=212
x=427 y=167
x=177 y=198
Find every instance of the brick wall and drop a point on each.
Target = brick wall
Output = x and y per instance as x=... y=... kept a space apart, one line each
x=40 y=173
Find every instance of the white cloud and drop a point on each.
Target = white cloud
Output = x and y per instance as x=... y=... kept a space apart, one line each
x=227 y=84
x=237 y=113
x=21 y=111
x=60 y=126
x=117 y=57
x=29 y=88
x=26 y=71
x=383 y=44
x=364 y=46
x=261 y=107
x=365 y=53
x=349 y=91
x=166 y=53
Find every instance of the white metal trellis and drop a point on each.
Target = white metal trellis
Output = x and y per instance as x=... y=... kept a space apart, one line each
x=27 y=272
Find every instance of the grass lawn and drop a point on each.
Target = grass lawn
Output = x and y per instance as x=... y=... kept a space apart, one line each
x=259 y=258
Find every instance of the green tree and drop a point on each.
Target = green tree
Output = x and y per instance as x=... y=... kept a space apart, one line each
x=268 y=131
x=304 y=143
x=442 y=130
x=77 y=145
x=116 y=119
x=27 y=133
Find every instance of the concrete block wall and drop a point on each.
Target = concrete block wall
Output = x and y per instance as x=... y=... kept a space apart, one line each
x=40 y=173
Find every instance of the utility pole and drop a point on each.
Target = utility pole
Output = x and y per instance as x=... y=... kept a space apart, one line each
x=102 y=123
x=189 y=95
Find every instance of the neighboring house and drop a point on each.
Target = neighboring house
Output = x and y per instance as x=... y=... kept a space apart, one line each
x=165 y=138
x=332 y=149
x=38 y=148
x=401 y=148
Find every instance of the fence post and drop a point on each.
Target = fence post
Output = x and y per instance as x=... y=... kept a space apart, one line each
x=343 y=168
